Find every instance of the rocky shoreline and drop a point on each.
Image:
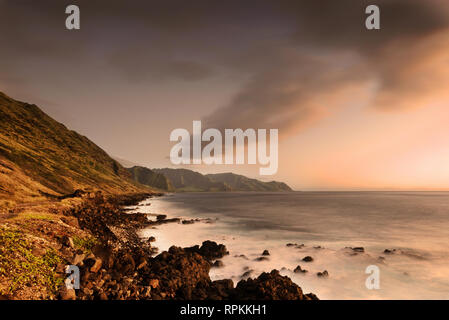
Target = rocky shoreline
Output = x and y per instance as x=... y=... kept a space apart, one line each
x=123 y=266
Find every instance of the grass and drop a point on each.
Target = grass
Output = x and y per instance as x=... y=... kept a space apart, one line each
x=24 y=269
x=85 y=244
x=35 y=216
x=37 y=153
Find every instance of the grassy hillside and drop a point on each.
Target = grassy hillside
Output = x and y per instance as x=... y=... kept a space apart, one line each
x=39 y=154
x=242 y=183
x=150 y=178
x=184 y=180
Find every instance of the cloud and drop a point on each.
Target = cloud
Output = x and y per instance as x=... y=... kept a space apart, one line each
x=330 y=55
x=302 y=59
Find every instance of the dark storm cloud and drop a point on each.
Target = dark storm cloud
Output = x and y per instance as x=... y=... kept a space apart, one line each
x=330 y=53
x=299 y=57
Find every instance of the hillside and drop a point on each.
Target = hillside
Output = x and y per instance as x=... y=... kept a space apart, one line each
x=40 y=155
x=150 y=178
x=184 y=180
x=242 y=183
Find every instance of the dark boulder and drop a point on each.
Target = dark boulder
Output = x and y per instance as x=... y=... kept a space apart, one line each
x=298 y=269
x=209 y=250
x=268 y=286
x=307 y=259
x=181 y=273
x=247 y=273
x=261 y=259
x=323 y=274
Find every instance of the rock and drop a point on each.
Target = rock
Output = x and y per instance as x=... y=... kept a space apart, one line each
x=297 y=246
x=87 y=292
x=125 y=263
x=67 y=241
x=90 y=260
x=298 y=269
x=142 y=264
x=268 y=286
x=60 y=268
x=78 y=259
x=311 y=296
x=39 y=252
x=67 y=294
x=221 y=288
x=247 y=273
x=323 y=274
x=161 y=217
x=218 y=264
x=147 y=291
x=71 y=221
x=261 y=259
x=210 y=250
x=181 y=274
x=151 y=239
x=265 y=253
x=307 y=259
x=154 y=283
x=97 y=265
x=388 y=251
x=356 y=250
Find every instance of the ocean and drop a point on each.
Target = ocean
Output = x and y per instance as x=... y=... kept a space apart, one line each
x=328 y=224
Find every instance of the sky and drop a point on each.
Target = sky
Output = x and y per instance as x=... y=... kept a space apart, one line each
x=356 y=109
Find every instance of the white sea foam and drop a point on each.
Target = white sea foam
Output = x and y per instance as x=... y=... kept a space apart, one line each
x=420 y=271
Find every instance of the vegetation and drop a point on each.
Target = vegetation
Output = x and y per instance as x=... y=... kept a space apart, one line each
x=242 y=183
x=184 y=180
x=39 y=154
x=85 y=244
x=150 y=178
x=22 y=268
x=34 y=216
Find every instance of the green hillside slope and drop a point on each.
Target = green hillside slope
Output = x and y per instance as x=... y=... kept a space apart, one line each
x=39 y=154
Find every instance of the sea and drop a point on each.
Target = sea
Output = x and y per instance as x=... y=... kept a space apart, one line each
x=412 y=226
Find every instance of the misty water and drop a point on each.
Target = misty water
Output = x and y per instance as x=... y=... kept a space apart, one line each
x=416 y=224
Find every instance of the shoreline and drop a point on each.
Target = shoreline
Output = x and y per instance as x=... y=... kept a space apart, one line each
x=402 y=267
x=99 y=236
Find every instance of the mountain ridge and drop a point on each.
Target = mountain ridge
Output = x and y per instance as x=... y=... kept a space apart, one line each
x=185 y=180
x=39 y=155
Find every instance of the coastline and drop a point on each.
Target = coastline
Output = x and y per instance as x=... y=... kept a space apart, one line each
x=100 y=237
x=345 y=256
